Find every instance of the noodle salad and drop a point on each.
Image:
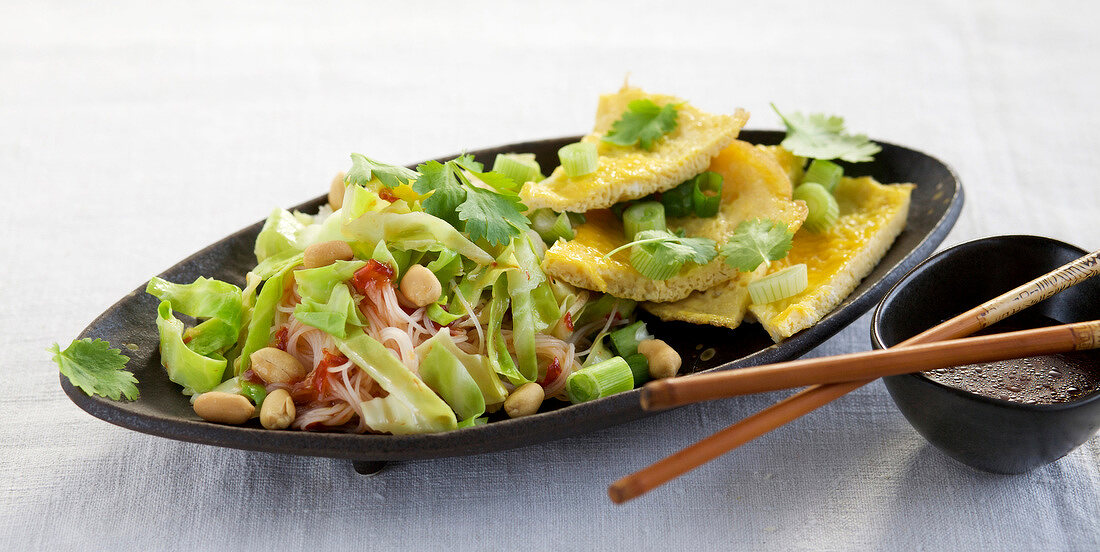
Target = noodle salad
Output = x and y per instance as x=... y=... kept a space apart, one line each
x=376 y=315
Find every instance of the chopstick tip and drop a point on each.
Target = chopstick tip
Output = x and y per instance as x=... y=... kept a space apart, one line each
x=624 y=490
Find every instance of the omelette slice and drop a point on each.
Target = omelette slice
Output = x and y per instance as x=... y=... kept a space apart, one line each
x=871 y=216
x=754 y=186
x=628 y=172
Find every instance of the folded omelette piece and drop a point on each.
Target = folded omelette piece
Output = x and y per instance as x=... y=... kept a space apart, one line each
x=630 y=172
x=871 y=217
x=754 y=186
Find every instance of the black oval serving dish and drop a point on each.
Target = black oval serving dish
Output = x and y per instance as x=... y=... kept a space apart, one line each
x=983 y=432
x=162 y=410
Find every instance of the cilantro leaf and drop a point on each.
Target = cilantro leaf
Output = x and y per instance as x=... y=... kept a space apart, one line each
x=660 y=254
x=364 y=169
x=497 y=181
x=757 y=241
x=96 y=368
x=466 y=161
x=448 y=192
x=643 y=121
x=673 y=248
x=821 y=136
x=493 y=216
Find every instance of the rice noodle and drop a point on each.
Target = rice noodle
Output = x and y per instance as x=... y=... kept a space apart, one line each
x=344 y=387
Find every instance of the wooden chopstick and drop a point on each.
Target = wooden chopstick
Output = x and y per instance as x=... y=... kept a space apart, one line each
x=668 y=393
x=808 y=400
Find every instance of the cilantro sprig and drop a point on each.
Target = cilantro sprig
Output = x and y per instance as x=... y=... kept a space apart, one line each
x=757 y=241
x=643 y=121
x=492 y=211
x=96 y=368
x=364 y=169
x=660 y=254
x=821 y=136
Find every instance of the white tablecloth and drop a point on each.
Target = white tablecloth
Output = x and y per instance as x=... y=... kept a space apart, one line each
x=133 y=133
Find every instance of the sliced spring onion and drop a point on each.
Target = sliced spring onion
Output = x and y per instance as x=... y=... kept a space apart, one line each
x=436 y=313
x=579 y=159
x=626 y=339
x=823 y=206
x=599 y=380
x=639 y=366
x=783 y=284
x=678 y=201
x=542 y=221
x=577 y=218
x=551 y=226
x=706 y=194
x=825 y=173
x=562 y=228
x=255 y=392
x=520 y=167
x=643 y=259
x=647 y=215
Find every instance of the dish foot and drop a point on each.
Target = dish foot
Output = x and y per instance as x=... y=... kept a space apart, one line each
x=368 y=467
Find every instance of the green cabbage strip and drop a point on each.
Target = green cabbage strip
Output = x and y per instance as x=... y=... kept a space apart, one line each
x=534 y=306
x=410 y=407
x=383 y=255
x=446 y=266
x=473 y=284
x=248 y=304
x=279 y=234
x=278 y=264
x=334 y=315
x=477 y=366
x=263 y=317
x=471 y=422
x=358 y=200
x=418 y=230
x=446 y=375
x=521 y=282
x=316 y=284
x=195 y=372
x=499 y=358
x=219 y=302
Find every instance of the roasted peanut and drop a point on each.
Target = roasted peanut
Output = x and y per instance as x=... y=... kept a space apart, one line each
x=420 y=286
x=277 y=411
x=326 y=253
x=524 y=401
x=224 y=408
x=336 y=192
x=663 y=360
x=277 y=366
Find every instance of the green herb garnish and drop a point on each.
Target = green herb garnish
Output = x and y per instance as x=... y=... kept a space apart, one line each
x=364 y=169
x=821 y=136
x=660 y=254
x=96 y=368
x=757 y=241
x=495 y=215
x=643 y=121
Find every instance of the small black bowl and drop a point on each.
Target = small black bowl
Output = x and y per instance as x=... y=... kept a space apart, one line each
x=987 y=433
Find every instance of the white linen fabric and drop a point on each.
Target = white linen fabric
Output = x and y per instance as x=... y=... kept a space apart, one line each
x=134 y=133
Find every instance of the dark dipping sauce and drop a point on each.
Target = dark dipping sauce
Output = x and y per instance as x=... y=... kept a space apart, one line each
x=1048 y=379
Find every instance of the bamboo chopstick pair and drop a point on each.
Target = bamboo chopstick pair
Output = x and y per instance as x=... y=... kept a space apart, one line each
x=836 y=376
